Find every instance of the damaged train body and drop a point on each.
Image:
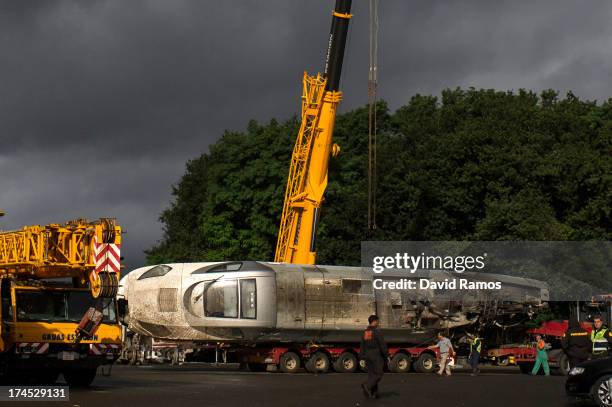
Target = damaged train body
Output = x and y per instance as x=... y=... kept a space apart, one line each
x=259 y=302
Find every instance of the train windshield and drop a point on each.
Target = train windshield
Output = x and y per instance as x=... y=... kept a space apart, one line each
x=59 y=306
x=223 y=298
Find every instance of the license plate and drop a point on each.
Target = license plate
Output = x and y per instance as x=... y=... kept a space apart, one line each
x=68 y=355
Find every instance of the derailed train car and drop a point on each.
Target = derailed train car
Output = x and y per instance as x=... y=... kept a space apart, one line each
x=258 y=302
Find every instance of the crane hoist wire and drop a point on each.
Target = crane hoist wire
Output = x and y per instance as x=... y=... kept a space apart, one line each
x=372 y=125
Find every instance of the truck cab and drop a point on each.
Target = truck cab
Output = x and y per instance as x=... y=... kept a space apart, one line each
x=37 y=333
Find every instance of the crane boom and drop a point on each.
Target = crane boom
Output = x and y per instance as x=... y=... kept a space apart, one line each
x=80 y=249
x=307 y=179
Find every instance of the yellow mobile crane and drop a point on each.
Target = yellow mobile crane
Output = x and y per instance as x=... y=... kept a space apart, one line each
x=58 y=285
x=309 y=163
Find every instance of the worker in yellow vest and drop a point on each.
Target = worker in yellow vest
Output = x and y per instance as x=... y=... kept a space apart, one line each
x=601 y=337
x=475 y=349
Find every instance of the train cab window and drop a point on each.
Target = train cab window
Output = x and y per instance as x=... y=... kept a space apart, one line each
x=248 y=299
x=156 y=271
x=221 y=299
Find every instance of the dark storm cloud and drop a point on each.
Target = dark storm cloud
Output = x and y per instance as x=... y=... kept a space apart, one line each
x=102 y=102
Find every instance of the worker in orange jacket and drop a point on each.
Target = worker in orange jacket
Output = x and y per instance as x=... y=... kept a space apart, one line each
x=541 y=357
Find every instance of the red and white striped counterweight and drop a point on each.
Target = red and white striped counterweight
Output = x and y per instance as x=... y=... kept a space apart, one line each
x=108 y=257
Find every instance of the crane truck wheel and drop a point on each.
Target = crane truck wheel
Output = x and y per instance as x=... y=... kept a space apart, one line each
x=346 y=363
x=79 y=377
x=290 y=362
x=318 y=363
x=400 y=363
x=425 y=363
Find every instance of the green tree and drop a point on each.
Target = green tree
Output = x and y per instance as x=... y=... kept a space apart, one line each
x=471 y=164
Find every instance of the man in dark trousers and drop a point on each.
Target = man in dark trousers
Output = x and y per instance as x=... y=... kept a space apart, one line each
x=475 y=349
x=374 y=350
x=576 y=343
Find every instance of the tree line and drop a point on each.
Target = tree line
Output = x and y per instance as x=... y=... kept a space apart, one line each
x=467 y=165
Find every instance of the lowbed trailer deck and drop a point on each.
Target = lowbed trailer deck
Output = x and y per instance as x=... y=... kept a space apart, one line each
x=342 y=358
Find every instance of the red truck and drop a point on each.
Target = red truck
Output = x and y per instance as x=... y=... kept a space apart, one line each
x=524 y=354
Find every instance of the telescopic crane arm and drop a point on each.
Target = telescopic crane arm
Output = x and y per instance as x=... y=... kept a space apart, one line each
x=307 y=179
x=79 y=249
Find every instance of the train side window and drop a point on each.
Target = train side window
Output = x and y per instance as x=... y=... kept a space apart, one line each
x=352 y=286
x=221 y=268
x=157 y=271
x=221 y=300
x=248 y=299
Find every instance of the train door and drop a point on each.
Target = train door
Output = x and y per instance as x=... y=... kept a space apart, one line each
x=291 y=312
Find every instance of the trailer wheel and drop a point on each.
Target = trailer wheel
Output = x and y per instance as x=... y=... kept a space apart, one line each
x=318 y=363
x=79 y=377
x=425 y=363
x=400 y=363
x=502 y=361
x=563 y=363
x=346 y=363
x=290 y=362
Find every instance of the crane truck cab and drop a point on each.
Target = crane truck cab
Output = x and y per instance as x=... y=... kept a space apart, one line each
x=38 y=339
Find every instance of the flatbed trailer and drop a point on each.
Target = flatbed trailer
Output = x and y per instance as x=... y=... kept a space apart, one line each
x=342 y=358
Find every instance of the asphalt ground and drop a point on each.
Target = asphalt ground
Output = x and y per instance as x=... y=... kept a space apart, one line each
x=200 y=385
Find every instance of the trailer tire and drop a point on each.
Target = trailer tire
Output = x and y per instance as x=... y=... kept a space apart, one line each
x=80 y=377
x=290 y=362
x=346 y=363
x=425 y=363
x=318 y=363
x=400 y=363
x=502 y=361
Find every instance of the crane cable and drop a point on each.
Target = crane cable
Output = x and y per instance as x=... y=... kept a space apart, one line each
x=372 y=125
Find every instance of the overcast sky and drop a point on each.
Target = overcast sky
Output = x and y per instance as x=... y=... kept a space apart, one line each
x=102 y=102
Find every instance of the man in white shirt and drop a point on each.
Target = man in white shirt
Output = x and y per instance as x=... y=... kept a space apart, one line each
x=446 y=351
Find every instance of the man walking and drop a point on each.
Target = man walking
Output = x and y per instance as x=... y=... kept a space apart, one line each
x=576 y=343
x=541 y=357
x=446 y=351
x=601 y=337
x=475 y=349
x=374 y=350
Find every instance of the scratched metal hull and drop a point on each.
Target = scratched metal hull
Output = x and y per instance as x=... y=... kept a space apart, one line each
x=255 y=302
